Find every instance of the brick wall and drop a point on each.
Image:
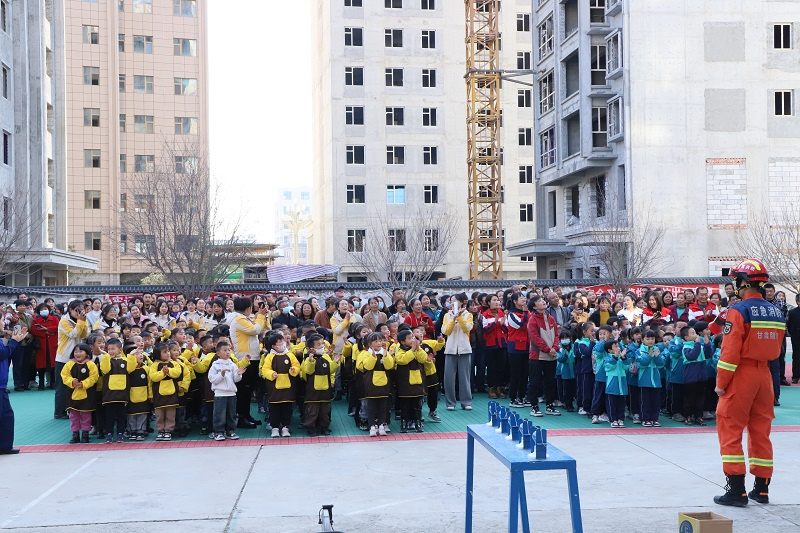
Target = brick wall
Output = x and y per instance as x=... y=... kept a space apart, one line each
x=784 y=183
x=726 y=191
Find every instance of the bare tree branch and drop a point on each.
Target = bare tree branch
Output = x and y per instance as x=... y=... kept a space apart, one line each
x=405 y=251
x=19 y=221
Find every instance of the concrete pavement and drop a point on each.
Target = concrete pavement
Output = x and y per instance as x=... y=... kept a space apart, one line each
x=628 y=483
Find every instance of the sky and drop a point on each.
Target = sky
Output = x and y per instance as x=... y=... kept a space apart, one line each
x=260 y=105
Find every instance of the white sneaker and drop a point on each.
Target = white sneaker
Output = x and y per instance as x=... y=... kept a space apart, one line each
x=467 y=407
x=708 y=415
x=603 y=417
x=595 y=419
x=382 y=430
x=285 y=432
x=582 y=411
x=373 y=431
x=276 y=432
x=637 y=419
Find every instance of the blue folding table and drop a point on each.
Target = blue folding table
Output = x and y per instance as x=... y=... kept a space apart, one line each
x=518 y=461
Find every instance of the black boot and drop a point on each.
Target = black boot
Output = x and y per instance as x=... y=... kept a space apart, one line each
x=735 y=493
x=418 y=425
x=85 y=437
x=403 y=426
x=760 y=492
x=76 y=437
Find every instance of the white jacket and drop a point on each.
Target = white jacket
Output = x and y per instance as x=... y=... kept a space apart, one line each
x=457 y=329
x=224 y=385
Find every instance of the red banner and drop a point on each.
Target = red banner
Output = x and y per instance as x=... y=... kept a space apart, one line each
x=639 y=289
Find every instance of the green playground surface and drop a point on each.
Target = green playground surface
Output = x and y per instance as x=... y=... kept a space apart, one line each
x=35 y=424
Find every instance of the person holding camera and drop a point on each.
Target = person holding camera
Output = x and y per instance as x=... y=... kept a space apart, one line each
x=456 y=326
x=72 y=329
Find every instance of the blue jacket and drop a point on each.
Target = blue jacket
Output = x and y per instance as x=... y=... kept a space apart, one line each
x=695 y=355
x=566 y=358
x=616 y=375
x=712 y=364
x=599 y=354
x=6 y=351
x=649 y=366
x=662 y=349
x=676 y=368
x=633 y=351
x=583 y=356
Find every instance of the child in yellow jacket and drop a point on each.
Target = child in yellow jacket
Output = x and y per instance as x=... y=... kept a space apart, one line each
x=410 y=360
x=430 y=347
x=138 y=408
x=175 y=354
x=115 y=367
x=165 y=375
x=319 y=372
x=374 y=362
x=279 y=367
x=80 y=374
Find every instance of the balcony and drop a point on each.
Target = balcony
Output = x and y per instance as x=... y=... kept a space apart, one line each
x=614 y=8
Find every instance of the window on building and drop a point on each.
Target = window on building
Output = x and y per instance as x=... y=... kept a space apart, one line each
x=354 y=75
x=430 y=194
x=573 y=134
x=551 y=209
x=572 y=77
x=574 y=205
x=356 y=240
x=355 y=194
x=355 y=154
x=143 y=84
x=546 y=93
x=600 y=196
x=6 y=81
x=430 y=155
x=123 y=244
x=187 y=125
x=6 y=148
x=526 y=212
x=614 y=52
x=395 y=155
x=91 y=158
x=427 y=4
x=123 y=122
x=91 y=117
x=143 y=244
x=7 y=214
x=615 y=122
x=354 y=115
x=186 y=164
x=395 y=194
x=430 y=240
x=143 y=124
x=51 y=228
x=782 y=38
x=121 y=42
x=144 y=163
x=353 y=3
x=393 y=4
x=123 y=163
x=122 y=83
x=121 y=6
x=4 y=15
x=354 y=36
x=186 y=86
x=622 y=200
x=397 y=240
x=429 y=77
x=523 y=22
x=428 y=39
x=547 y=147
x=91 y=34
x=184 y=8
x=599 y=127
x=523 y=60
x=429 y=116
x=91 y=240
x=91 y=199
x=142 y=6
x=784 y=103
x=142 y=44
x=394 y=77
x=526 y=174
x=393 y=38
x=143 y=203
x=597 y=11
x=91 y=75
x=395 y=116
x=598 y=64
x=523 y=97
x=184 y=47
x=525 y=136
x=545 y=31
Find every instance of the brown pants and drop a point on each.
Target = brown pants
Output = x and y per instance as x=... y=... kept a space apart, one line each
x=317 y=415
x=165 y=419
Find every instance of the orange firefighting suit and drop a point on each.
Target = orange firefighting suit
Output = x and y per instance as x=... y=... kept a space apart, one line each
x=754 y=331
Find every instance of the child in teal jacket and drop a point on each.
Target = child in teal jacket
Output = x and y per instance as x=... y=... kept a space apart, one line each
x=616 y=365
x=650 y=361
x=566 y=362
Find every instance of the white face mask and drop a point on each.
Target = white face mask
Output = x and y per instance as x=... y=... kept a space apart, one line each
x=44 y=313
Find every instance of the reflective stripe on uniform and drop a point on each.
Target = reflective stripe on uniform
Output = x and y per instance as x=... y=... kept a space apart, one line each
x=755 y=461
x=766 y=324
x=733 y=458
x=726 y=366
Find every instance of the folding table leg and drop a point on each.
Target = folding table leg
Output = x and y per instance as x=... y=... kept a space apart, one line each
x=523 y=504
x=470 y=472
x=574 y=499
x=513 y=502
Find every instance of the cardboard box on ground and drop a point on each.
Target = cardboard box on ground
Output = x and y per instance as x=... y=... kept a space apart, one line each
x=704 y=523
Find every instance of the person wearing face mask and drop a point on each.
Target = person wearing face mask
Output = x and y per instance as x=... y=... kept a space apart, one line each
x=72 y=329
x=22 y=356
x=373 y=315
x=45 y=330
x=285 y=315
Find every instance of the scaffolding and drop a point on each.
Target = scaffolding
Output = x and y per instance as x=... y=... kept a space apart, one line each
x=483 y=138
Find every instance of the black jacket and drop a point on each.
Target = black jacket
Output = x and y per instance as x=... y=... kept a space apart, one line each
x=793 y=323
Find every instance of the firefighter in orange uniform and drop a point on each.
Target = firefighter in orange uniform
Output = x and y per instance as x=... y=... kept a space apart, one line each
x=754 y=331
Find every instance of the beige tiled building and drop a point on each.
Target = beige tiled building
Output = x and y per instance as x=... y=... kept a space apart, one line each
x=136 y=79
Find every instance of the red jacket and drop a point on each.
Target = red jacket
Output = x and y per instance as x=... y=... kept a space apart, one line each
x=423 y=320
x=709 y=314
x=539 y=348
x=46 y=330
x=494 y=333
x=517 y=324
